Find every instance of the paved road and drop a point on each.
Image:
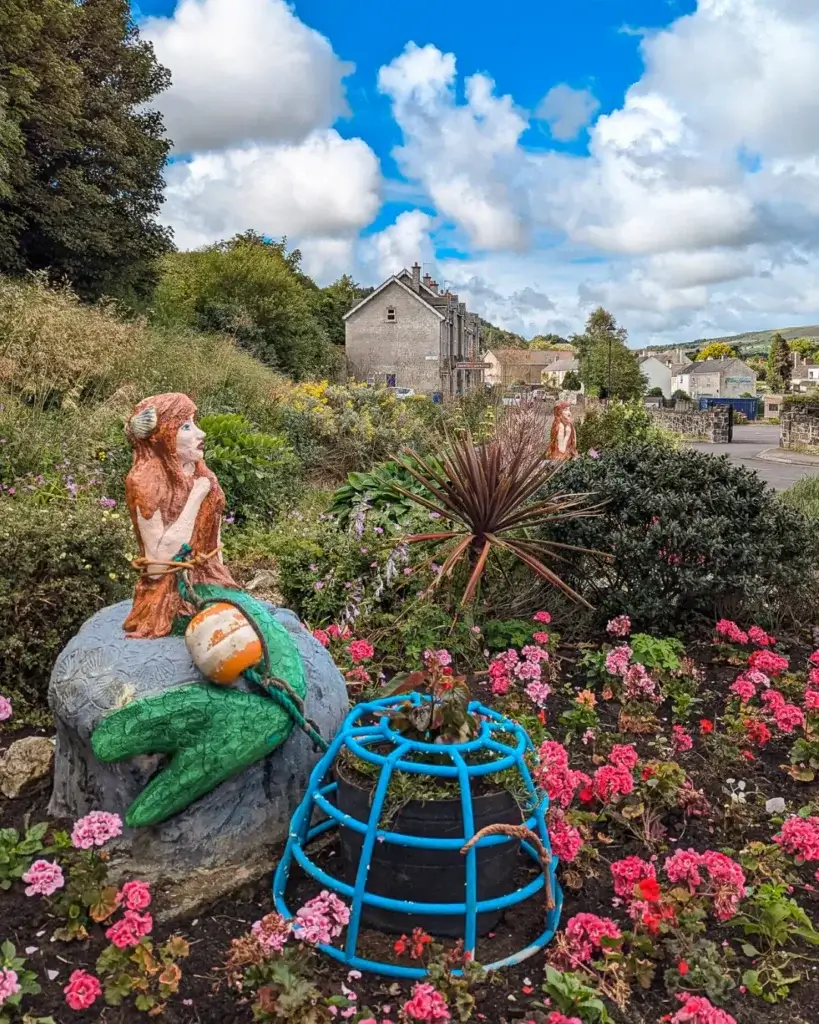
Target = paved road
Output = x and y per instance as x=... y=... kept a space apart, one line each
x=749 y=442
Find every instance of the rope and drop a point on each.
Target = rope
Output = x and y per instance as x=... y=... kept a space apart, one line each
x=177 y=565
x=521 y=832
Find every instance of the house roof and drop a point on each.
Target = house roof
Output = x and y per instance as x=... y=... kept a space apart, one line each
x=564 y=365
x=715 y=366
x=523 y=356
x=648 y=359
x=395 y=279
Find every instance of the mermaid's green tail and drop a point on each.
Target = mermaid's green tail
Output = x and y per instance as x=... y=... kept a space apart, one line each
x=210 y=733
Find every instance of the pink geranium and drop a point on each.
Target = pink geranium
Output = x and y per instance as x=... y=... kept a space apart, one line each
x=321 y=919
x=272 y=932
x=699 y=1010
x=565 y=838
x=543 y=617
x=617 y=660
x=612 y=780
x=620 y=626
x=624 y=755
x=800 y=838
x=9 y=984
x=811 y=699
x=44 y=878
x=744 y=689
x=360 y=650
x=730 y=631
x=322 y=636
x=757 y=635
x=426 y=1005
x=628 y=872
x=95 y=829
x=538 y=692
x=82 y=990
x=130 y=929
x=768 y=662
x=5 y=708
x=682 y=739
x=814 y=659
x=135 y=895
x=556 y=1017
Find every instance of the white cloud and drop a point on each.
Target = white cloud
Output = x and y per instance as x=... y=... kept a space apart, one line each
x=462 y=154
x=567 y=110
x=399 y=245
x=324 y=187
x=244 y=71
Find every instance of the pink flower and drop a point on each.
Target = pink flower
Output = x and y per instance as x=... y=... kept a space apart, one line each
x=541 y=638
x=9 y=984
x=527 y=670
x=538 y=693
x=95 y=829
x=811 y=699
x=682 y=740
x=683 y=866
x=129 y=929
x=768 y=662
x=813 y=677
x=271 y=932
x=535 y=654
x=135 y=895
x=640 y=685
x=82 y=990
x=543 y=617
x=744 y=689
x=617 y=660
x=788 y=716
x=556 y=1017
x=426 y=1005
x=360 y=650
x=619 y=626
x=814 y=659
x=321 y=919
x=610 y=781
x=44 y=878
x=624 y=755
x=699 y=1010
x=628 y=872
x=322 y=636
x=731 y=631
x=800 y=838
x=566 y=839
x=757 y=635
x=5 y=709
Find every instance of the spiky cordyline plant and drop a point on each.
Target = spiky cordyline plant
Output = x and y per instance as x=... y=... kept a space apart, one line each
x=485 y=492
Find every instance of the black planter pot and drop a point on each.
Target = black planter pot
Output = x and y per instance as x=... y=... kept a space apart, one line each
x=429 y=875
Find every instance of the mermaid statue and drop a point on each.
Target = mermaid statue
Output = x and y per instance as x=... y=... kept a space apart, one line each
x=207 y=732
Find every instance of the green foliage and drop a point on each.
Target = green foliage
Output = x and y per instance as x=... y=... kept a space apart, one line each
x=807 y=347
x=574 y=998
x=716 y=350
x=501 y=634
x=779 y=365
x=83 y=151
x=258 y=472
x=62 y=562
x=27 y=980
x=376 y=489
x=657 y=654
x=331 y=303
x=253 y=290
x=707 y=969
x=618 y=424
x=147 y=973
x=607 y=366
x=571 y=382
x=689 y=535
x=17 y=852
x=804 y=495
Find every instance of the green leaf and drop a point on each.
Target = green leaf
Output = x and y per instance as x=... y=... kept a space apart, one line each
x=749 y=950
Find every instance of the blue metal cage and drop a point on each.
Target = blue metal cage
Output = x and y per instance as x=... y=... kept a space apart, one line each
x=366 y=726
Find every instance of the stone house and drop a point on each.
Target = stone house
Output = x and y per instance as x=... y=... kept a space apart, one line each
x=716 y=378
x=409 y=334
x=507 y=366
x=555 y=373
x=657 y=374
x=804 y=374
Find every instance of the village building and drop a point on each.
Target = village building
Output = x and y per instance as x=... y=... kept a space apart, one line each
x=716 y=378
x=409 y=334
x=508 y=366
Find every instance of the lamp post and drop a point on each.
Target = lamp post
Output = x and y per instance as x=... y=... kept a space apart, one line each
x=608 y=390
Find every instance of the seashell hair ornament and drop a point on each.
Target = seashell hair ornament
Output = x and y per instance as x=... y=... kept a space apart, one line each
x=142 y=424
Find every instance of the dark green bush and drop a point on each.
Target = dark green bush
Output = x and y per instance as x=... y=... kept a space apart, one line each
x=62 y=562
x=690 y=536
x=620 y=423
x=259 y=473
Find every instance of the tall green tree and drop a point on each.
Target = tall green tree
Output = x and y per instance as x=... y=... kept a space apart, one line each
x=807 y=347
x=333 y=301
x=543 y=342
x=254 y=289
x=607 y=366
x=779 y=365
x=716 y=350
x=83 y=149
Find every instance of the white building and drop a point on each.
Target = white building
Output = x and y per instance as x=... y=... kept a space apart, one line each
x=716 y=378
x=657 y=374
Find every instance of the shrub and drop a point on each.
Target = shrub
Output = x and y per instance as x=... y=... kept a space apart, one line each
x=62 y=562
x=259 y=473
x=618 y=424
x=689 y=534
x=804 y=495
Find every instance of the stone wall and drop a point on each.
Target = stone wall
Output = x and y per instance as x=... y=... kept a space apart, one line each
x=799 y=428
x=709 y=425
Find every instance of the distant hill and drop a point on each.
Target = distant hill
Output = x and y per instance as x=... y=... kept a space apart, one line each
x=749 y=344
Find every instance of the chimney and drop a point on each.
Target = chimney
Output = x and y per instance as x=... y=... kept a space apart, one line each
x=427 y=281
x=416 y=277
x=433 y=285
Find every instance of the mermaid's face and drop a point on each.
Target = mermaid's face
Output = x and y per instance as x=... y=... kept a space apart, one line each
x=190 y=443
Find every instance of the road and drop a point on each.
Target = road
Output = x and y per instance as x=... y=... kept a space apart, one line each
x=751 y=441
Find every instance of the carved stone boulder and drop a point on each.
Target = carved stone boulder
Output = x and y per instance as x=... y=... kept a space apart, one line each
x=226 y=836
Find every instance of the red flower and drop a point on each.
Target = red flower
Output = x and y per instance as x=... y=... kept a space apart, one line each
x=682 y=967
x=400 y=945
x=586 y=795
x=706 y=726
x=649 y=889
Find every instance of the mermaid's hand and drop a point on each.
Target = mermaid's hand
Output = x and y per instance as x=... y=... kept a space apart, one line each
x=210 y=734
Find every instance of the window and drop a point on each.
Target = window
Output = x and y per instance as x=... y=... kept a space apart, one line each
x=390 y=314
x=390 y=380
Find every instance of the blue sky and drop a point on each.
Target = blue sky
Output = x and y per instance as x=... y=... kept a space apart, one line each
x=670 y=174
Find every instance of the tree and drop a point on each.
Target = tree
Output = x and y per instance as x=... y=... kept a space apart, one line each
x=654 y=393
x=254 y=289
x=332 y=302
x=607 y=367
x=806 y=347
x=779 y=365
x=681 y=395
x=542 y=342
x=84 y=152
x=717 y=350
x=571 y=382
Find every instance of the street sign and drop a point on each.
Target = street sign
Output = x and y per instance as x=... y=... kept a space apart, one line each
x=473 y=366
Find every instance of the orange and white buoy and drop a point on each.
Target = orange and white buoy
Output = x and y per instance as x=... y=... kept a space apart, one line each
x=222 y=643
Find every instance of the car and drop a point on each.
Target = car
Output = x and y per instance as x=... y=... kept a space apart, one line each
x=403 y=392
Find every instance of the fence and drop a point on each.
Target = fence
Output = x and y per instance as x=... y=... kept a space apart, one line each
x=749 y=407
